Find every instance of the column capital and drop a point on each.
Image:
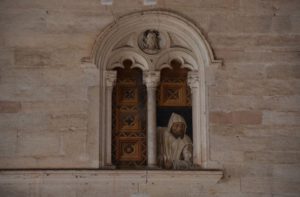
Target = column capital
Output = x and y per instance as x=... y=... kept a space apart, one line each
x=193 y=79
x=110 y=78
x=151 y=78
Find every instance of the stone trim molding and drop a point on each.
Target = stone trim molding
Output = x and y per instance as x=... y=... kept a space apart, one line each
x=151 y=40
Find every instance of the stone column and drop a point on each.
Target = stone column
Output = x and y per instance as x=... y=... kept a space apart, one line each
x=110 y=78
x=151 y=79
x=194 y=83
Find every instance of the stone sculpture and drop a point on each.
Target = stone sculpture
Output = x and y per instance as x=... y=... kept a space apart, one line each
x=175 y=147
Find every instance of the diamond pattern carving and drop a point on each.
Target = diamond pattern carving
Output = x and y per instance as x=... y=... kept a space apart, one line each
x=129 y=119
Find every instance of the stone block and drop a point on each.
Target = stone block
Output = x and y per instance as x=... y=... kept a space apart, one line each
x=205 y=5
x=287 y=157
x=55 y=4
x=285 y=143
x=221 y=87
x=61 y=161
x=240 y=143
x=227 y=156
x=286 y=8
x=58 y=189
x=6 y=59
x=281 y=24
x=256 y=8
x=10 y=106
x=283 y=71
x=48 y=57
x=14 y=189
x=240 y=24
x=91 y=75
x=276 y=42
x=30 y=121
x=24 y=121
x=236 y=117
x=261 y=56
x=52 y=40
x=45 y=77
x=285 y=186
x=38 y=144
x=93 y=135
x=8 y=142
x=282 y=103
x=68 y=121
x=77 y=22
x=232 y=171
x=220 y=118
x=256 y=184
x=60 y=106
x=286 y=171
x=295 y=20
x=258 y=157
x=74 y=145
x=275 y=157
x=236 y=102
x=281 y=118
x=8 y=92
x=21 y=78
x=273 y=131
x=32 y=58
x=227 y=130
x=106 y=188
x=245 y=71
x=18 y=162
x=42 y=93
x=265 y=87
x=63 y=77
x=256 y=169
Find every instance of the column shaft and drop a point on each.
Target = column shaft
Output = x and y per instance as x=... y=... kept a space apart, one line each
x=151 y=127
x=193 y=82
x=151 y=78
x=110 y=80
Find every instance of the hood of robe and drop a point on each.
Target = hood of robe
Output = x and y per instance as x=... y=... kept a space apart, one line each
x=176 y=118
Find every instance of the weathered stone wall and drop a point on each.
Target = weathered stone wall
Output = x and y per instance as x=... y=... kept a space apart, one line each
x=47 y=95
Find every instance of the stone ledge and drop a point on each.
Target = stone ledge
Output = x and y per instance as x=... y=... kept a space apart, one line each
x=138 y=176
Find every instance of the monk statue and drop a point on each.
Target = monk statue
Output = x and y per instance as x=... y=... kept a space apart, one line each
x=175 y=147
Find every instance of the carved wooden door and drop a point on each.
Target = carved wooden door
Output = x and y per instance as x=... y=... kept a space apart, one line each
x=129 y=119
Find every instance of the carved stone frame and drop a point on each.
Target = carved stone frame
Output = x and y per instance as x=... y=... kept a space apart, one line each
x=185 y=43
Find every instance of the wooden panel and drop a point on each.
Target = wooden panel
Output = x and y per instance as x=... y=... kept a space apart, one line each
x=129 y=120
x=173 y=94
x=129 y=149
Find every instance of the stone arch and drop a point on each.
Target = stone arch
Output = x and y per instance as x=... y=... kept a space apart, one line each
x=170 y=37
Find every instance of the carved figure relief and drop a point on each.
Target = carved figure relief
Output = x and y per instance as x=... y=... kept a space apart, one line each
x=150 y=41
x=175 y=147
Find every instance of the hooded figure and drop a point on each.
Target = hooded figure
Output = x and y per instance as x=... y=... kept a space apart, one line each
x=175 y=146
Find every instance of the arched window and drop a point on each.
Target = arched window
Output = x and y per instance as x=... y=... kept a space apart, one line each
x=158 y=45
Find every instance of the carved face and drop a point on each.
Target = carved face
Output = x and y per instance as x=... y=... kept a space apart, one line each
x=178 y=129
x=151 y=41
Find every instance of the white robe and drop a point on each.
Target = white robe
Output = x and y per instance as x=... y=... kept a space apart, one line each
x=173 y=149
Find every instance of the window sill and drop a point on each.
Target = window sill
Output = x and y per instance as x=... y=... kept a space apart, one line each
x=205 y=177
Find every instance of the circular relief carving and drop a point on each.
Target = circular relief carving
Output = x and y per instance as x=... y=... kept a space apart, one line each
x=151 y=41
x=128 y=148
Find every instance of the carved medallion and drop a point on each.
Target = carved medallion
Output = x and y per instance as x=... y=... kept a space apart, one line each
x=150 y=41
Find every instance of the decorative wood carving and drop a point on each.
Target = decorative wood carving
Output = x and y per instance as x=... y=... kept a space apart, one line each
x=173 y=89
x=129 y=123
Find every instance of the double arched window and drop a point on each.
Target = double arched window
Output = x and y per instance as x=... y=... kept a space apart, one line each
x=151 y=64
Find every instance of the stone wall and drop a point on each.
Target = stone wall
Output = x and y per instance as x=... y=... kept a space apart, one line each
x=47 y=93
